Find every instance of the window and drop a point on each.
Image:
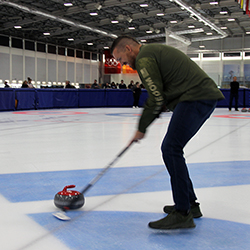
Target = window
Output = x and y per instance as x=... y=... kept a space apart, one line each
x=4 y=41
x=29 y=45
x=61 y=51
x=17 y=43
x=86 y=55
x=41 y=47
x=51 y=49
x=94 y=56
x=211 y=55
x=70 y=52
x=79 y=54
x=231 y=54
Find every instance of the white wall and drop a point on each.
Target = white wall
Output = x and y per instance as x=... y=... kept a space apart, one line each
x=18 y=64
x=214 y=66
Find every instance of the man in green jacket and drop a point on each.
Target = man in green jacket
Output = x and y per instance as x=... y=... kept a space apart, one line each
x=175 y=82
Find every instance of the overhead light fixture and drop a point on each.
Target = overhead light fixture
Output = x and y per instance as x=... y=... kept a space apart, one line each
x=17 y=27
x=192 y=31
x=230 y=19
x=191 y=26
x=213 y=3
x=202 y=46
x=160 y=14
x=129 y=19
x=143 y=5
x=46 y=33
x=89 y=44
x=98 y=6
x=143 y=40
x=114 y=21
x=209 y=33
x=223 y=28
x=149 y=31
x=223 y=12
x=248 y=32
x=131 y=28
x=93 y=13
x=194 y=17
x=68 y=4
x=70 y=39
x=174 y=21
x=106 y=47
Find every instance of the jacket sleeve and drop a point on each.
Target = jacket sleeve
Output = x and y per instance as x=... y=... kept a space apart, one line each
x=149 y=73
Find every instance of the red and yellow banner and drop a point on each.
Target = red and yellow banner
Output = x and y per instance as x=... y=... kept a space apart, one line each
x=111 y=66
x=127 y=70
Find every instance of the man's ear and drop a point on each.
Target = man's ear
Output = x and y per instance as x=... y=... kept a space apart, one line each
x=128 y=47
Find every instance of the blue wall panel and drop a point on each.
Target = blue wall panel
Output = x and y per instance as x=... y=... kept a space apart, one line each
x=80 y=98
x=119 y=98
x=65 y=98
x=45 y=99
x=92 y=98
x=7 y=99
x=26 y=98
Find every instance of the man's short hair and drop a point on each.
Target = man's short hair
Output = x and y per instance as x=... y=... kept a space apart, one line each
x=118 y=40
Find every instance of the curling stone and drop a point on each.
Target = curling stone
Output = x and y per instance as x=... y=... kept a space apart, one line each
x=69 y=199
x=244 y=110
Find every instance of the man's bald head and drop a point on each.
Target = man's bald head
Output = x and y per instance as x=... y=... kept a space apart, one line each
x=121 y=42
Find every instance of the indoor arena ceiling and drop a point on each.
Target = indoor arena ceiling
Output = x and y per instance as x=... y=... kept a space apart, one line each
x=92 y=25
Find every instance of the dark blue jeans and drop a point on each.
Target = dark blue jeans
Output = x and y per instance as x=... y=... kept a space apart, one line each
x=187 y=119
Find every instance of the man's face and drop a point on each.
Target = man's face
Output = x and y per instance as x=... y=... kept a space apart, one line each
x=126 y=56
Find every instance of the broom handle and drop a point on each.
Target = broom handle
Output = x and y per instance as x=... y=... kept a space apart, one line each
x=105 y=169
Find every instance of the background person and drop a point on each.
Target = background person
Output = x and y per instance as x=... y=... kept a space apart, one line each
x=95 y=85
x=29 y=83
x=113 y=85
x=234 y=93
x=136 y=94
x=68 y=85
x=6 y=85
x=122 y=85
x=131 y=85
x=25 y=84
x=173 y=80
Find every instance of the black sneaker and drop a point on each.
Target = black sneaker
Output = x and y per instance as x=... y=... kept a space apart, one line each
x=194 y=209
x=174 y=220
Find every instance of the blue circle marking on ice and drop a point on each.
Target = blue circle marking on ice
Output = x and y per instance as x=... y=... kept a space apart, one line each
x=128 y=230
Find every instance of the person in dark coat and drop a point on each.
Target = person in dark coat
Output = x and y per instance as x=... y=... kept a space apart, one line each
x=136 y=94
x=234 y=93
x=69 y=86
